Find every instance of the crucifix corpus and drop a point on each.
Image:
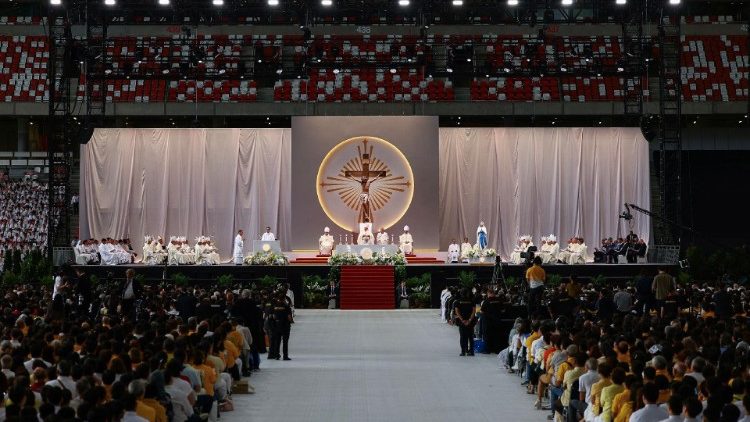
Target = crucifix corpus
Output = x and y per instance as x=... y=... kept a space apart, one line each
x=365 y=177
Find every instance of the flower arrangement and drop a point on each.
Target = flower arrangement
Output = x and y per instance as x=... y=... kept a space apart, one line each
x=474 y=253
x=490 y=253
x=266 y=258
x=368 y=257
x=346 y=258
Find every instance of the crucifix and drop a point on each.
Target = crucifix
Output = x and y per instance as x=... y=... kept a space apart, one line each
x=364 y=178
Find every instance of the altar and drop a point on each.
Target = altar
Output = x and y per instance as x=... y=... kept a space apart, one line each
x=357 y=249
x=266 y=246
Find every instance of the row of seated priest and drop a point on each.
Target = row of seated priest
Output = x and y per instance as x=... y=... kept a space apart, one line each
x=327 y=243
x=576 y=251
x=177 y=251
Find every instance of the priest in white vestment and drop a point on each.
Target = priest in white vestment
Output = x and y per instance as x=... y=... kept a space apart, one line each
x=382 y=237
x=454 y=251
x=365 y=237
x=564 y=255
x=268 y=235
x=149 y=257
x=83 y=251
x=239 y=243
x=515 y=256
x=325 y=243
x=482 y=235
x=405 y=242
x=465 y=249
x=187 y=253
x=444 y=296
x=579 y=255
x=550 y=250
x=172 y=250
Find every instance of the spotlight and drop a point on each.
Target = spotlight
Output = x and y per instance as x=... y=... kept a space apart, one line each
x=620 y=69
x=109 y=2
x=458 y=2
x=675 y=2
x=222 y=71
x=621 y=1
x=512 y=2
x=468 y=59
x=326 y=2
x=279 y=71
x=55 y=2
x=563 y=68
x=403 y=2
x=393 y=70
x=336 y=71
x=506 y=69
x=273 y=2
x=449 y=70
x=567 y=2
x=164 y=2
x=218 y=2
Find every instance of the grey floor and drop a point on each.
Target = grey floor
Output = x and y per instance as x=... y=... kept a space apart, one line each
x=381 y=366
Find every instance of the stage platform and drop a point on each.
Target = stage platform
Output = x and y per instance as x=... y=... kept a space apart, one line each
x=442 y=274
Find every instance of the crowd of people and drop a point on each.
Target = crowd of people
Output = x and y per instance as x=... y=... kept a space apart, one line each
x=23 y=215
x=646 y=350
x=123 y=350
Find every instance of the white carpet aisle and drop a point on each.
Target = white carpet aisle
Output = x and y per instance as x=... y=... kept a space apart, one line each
x=380 y=366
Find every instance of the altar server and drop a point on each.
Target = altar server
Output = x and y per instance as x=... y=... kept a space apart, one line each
x=405 y=242
x=382 y=237
x=325 y=243
x=482 y=235
x=239 y=243
x=453 y=251
x=268 y=236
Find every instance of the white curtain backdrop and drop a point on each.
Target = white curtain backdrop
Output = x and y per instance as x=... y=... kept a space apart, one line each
x=538 y=181
x=186 y=182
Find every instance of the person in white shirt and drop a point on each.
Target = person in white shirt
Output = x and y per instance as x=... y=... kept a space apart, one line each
x=325 y=243
x=180 y=391
x=268 y=236
x=405 y=242
x=382 y=237
x=454 y=251
x=465 y=249
x=129 y=404
x=693 y=409
x=585 y=382
x=697 y=366
x=64 y=380
x=444 y=296
x=674 y=408
x=239 y=243
x=651 y=412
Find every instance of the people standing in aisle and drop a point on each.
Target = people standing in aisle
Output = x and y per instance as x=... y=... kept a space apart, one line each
x=492 y=311
x=465 y=319
x=281 y=320
x=402 y=296
x=239 y=244
x=536 y=277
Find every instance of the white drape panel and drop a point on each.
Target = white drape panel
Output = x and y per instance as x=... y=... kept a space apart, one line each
x=186 y=182
x=537 y=181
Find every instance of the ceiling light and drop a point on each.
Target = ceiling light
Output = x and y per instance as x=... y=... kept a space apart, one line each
x=109 y=2
x=273 y=2
x=393 y=70
x=326 y=2
x=218 y=2
x=55 y=2
x=336 y=71
x=449 y=70
x=674 y=1
x=512 y=2
x=458 y=2
x=621 y=1
x=620 y=69
x=403 y=2
x=567 y=2
x=468 y=59
x=164 y=2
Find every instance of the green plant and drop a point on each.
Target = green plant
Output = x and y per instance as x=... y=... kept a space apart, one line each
x=420 y=284
x=94 y=279
x=420 y=299
x=268 y=281
x=510 y=282
x=180 y=279
x=684 y=278
x=554 y=280
x=599 y=280
x=313 y=283
x=467 y=279
x=10 y=279
x=225 y=280
x=399 y=273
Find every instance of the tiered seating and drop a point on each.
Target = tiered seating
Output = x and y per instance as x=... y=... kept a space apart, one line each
x=353 y=50
x=515 y=89
x=589 y=52
x=707 y=19
x=212 y=91
x=20 y=20
x=23 y=68
x=715 y=68
x=366 y=85
x=582 y=89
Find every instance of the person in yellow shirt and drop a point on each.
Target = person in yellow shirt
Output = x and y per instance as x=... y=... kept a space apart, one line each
x=605 y=380
x=609 y=393
x=536 y=276
x=536 y=332
x=137 y=388
x=149 y=399
x=208 y=373
x=629 y=405
x=624 y=396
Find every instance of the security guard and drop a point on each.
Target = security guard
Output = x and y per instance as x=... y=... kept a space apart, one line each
x=281 y=315
x=465 y=312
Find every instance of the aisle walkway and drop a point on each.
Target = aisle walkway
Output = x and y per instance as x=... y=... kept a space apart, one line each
x=380 y=366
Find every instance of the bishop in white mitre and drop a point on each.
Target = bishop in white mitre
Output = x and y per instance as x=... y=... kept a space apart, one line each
x=405 y=242
x=382 y=237
x=454 y=251
x=239 y=243
x=365 y=237
x=325 y=243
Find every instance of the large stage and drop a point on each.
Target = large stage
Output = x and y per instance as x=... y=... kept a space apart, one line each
x=441 y=274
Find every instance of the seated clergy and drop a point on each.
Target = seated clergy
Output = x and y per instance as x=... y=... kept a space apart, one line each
x=579 y=255
x=365 y=237
x=325 y=243
x=173 y=249
x=465 y=249
x=523 y=245
x=186 y=254
x=83 y=250
x=405 y=242
x=382 y=237
x=205 y=252
x=149 y=256
x=564 y=254
x=550 y=250
x=454 y=251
